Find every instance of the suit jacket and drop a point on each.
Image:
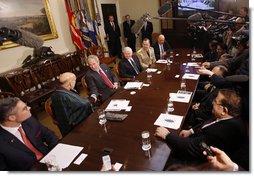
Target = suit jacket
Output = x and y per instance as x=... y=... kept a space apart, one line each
x=15 y=155
x=145 y=59
x=69 y=109
x=127 y=30
x=112 y=34
x=96 y=85
x=156 y=47
x=148 y=32
x=125 y=68
x=228 y=135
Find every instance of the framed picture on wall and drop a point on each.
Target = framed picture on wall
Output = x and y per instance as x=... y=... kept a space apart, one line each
x=29 y=15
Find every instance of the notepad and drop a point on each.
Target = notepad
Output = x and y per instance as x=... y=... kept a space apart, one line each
x=169 y=121
x=133 y=85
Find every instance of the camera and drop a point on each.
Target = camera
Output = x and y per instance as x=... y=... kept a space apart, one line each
x=205 y=147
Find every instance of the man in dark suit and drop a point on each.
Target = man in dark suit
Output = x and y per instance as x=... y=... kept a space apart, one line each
x=128 y=35
x=226 y=132
x=113 y=33
x=129 y=66
x=99 y=78
x=147 y=30
x=161 y=47
x=23 y=140
x=68 y=106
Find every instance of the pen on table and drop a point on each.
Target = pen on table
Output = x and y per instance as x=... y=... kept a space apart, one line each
x=169 y=120
x=180 y=97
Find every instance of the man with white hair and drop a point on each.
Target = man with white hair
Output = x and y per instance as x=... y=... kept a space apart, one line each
x=161 y=47
x=129 y=66
x=68 y=106
x=99 y=78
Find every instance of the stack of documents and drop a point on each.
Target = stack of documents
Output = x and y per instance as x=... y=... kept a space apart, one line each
x=161 y=61
x=197 y=55
x=151 y=70
x=191 y=76
x=133 y=85
x=181 y=96
x=192 y=64
x=64 y=154
x=118 y=105
x=169 y=121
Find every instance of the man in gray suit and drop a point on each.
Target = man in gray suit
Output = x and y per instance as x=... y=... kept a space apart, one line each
x=99 y=78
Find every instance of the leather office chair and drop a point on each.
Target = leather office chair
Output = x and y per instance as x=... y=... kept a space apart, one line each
x=122 y=81
x=49 y=110
x=6 y=94
x=98 y=51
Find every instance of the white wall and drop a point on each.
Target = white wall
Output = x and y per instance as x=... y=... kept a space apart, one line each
x=13 y=57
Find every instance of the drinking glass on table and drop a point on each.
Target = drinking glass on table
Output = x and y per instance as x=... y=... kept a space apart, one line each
x=183 y=84
x=146 y=143
x=101 y=116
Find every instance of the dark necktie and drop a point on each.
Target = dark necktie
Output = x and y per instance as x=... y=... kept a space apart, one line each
x=113 y=26
x=162 y=50
x=148 y=53
x=38 y=154
x=134 y=66
x=105 y=78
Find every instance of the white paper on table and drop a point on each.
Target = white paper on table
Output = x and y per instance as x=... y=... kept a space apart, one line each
x=191 y=76
x=160 y=61
x=79 y=160
x=117 y=166
x=193 y=64
x=118 y=105
x=180 y=97
x=151 y=70
x=197 y=55
x=169 y=121
x=64 y=153
x=146 y=85
x=133 y=85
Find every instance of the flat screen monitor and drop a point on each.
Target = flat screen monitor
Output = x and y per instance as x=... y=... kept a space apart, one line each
x=185 y=7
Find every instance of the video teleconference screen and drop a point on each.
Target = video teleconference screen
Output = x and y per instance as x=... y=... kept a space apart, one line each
x=198 y=4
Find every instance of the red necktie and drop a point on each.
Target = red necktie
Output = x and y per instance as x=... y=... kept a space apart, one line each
x=38 y=154
x=105 y=78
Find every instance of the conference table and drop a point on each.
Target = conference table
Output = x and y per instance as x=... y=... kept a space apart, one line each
x=123 y=138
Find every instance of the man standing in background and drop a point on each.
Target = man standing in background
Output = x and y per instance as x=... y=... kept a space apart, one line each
x=147 y=30
x=113 y=33
x=130 y=37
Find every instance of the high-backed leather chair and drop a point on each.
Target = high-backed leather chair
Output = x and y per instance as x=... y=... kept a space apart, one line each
x=121 y=80
x=98 y=51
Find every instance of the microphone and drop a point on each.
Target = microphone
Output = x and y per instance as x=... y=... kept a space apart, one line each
x=195 y=17
x=21 y=37
x=164 y=8
x=136 y=28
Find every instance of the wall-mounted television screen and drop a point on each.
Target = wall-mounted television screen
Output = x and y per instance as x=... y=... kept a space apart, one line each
x=186 y=7
x=198 y=4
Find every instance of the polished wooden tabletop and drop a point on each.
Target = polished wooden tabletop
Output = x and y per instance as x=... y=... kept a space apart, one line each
x=124 y=137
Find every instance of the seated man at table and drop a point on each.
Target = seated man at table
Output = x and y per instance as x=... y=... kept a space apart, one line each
x=129 y=66
x=23 y=140
x=227 y=131
x=161 y=47
x=68 y=106
x=146 y=54
x=99 y=78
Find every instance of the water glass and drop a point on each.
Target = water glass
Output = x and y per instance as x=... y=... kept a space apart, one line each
x=187 y=69
x=52 y=163
x=168 y=61
x=101 y=116
x=170 y=107
x=183 y=84
x=146 y=144
x=149 y=76
x=171 y=56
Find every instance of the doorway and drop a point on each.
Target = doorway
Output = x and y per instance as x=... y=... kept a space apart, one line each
x=109 y=9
